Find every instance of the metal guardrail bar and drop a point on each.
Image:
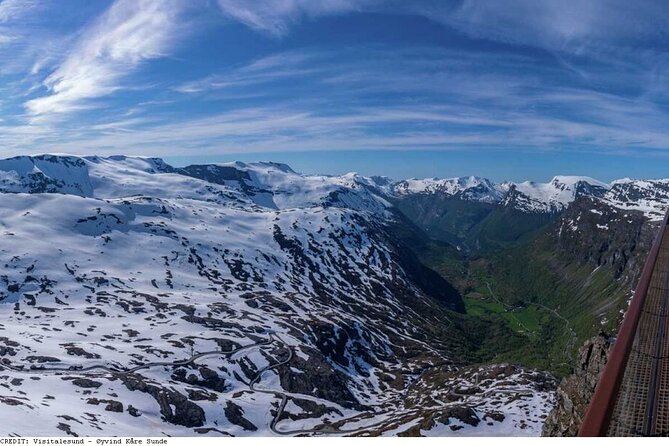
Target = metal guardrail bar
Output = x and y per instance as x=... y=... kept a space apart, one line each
x=598 y=416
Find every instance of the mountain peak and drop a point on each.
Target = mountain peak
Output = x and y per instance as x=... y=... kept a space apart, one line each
x=260 y=165
x=575 y=179
x=469 y=187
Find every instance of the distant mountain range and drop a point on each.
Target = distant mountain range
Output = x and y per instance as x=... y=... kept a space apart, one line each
x=648 y=196
x=72 y=175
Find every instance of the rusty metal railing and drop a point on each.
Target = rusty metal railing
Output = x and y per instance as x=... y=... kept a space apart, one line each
x=598 y=415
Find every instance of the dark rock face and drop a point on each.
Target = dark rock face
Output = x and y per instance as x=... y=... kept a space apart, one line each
x=41 y=359
x=209 y=378
x=309 y=409
x=215 y=174
x=586 y=189
x=455 y=417
x=589 y=233
x=575 y=391
x=464 y=414
x=494 y=416
x=235 y=414
x=67 y=429
x=111 y=405
x=319 y=379
x=630 y=192
x=86 y=383
x=78 y=351
x=7 y=346
x=185 y=412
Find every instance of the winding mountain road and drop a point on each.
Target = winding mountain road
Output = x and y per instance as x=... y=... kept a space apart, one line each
x=98 y=370
x=91 y=370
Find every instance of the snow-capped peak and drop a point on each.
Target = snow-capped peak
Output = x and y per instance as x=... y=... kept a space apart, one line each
x=648 y=196
x=470 y=188
x=572 y=180
x=264 y=166
x=265 y=184
x=528 y=196
x=557 y=194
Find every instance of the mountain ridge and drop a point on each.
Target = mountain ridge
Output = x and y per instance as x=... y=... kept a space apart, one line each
x=42 y=172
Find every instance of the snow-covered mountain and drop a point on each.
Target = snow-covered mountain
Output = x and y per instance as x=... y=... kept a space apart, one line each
x=248 y=299
x=648 y=196
x=467 y=188
x=234 y=299
x=553 y=196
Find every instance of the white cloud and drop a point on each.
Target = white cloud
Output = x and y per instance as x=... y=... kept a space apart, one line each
x=381 y=98
x=568 y=25
x=10 y=12
x=128 y=33
x=15 y=9
x=286 y=127
x=266 y=69
x=359 y=97
x=571 y=25
x=276 y=16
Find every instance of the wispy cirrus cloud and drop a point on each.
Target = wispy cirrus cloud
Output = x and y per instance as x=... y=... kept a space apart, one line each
x=573 y=26
x=559 y=24
x=391 y=98
x=277 y=16
x=11 y=11
x=266 y=69
x=558 y=74
x=366 y=99
x=15 y=9
x=282 y=129
x=127 y=34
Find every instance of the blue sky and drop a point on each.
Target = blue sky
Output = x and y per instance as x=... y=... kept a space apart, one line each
x=513 y=89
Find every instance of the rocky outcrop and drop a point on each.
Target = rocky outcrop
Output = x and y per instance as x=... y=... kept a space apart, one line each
x=235 y=414
x=174 y=406
x=575 y=391
x=319 y=379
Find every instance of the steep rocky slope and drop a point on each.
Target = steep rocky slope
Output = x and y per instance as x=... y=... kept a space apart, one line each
x=618 y=240
x=575 y=391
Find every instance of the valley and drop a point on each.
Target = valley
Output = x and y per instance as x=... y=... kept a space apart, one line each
x=556 y=273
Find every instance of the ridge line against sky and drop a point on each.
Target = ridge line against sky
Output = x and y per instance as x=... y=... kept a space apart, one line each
x=53 y=157
x=468 y=82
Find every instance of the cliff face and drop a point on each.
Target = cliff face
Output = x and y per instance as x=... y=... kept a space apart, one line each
x=575 y=391
x=597 y=235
